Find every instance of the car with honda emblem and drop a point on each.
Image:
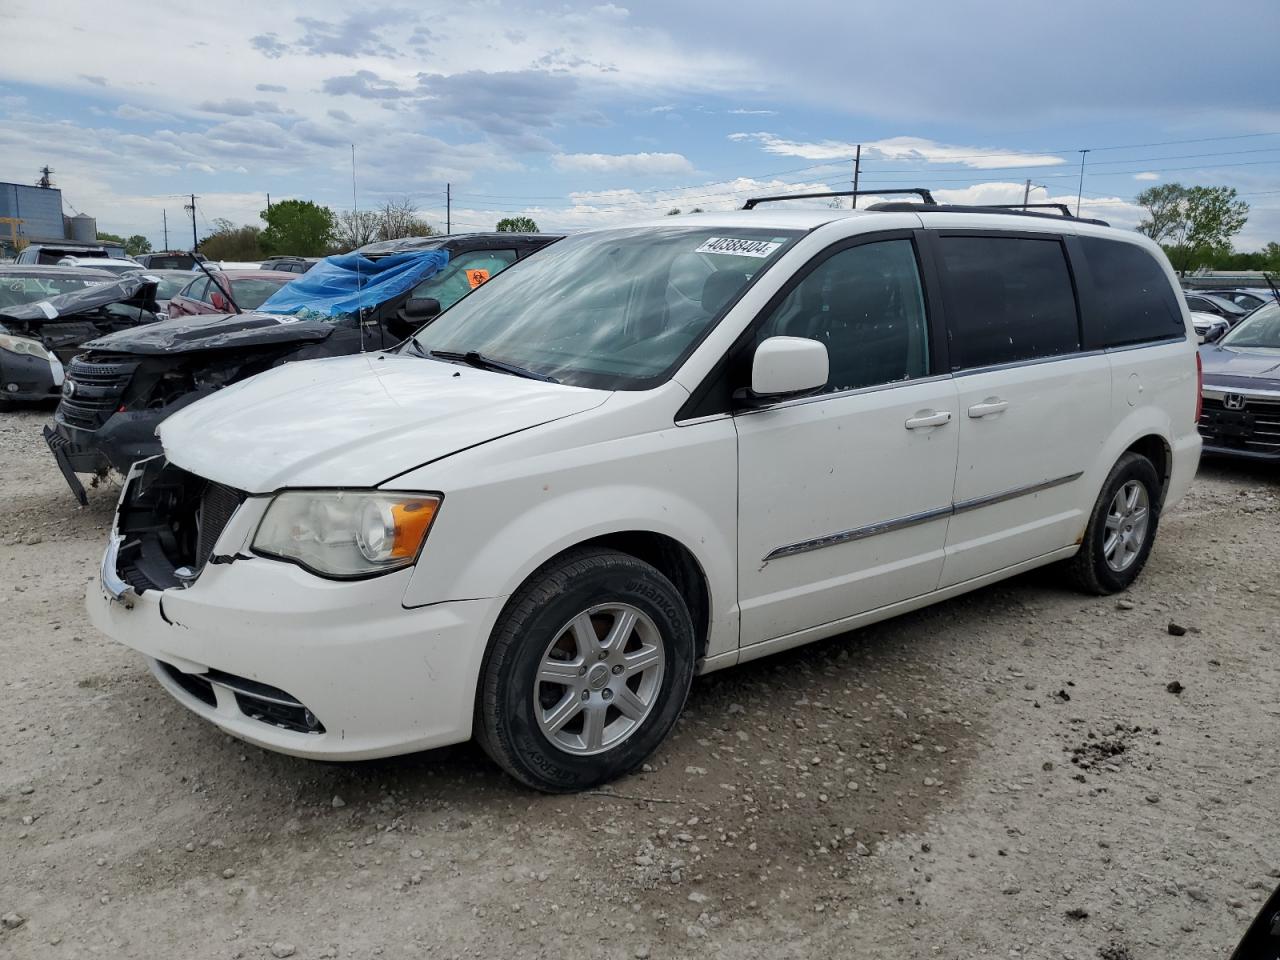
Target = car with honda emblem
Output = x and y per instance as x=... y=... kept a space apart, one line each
x=1241 y=411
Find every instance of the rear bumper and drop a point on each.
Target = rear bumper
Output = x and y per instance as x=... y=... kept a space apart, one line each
x=1185 y=462
x=380 y=679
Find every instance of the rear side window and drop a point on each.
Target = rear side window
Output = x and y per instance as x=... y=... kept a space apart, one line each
x=1008 y=299
x=1133 y=301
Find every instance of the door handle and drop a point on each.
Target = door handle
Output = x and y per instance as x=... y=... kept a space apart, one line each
x=935 y=418
x=988 y=408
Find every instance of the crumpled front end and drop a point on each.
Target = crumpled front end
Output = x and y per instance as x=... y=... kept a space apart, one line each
x=268 y=652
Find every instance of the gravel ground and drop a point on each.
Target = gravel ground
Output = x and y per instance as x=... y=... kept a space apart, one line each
x=1022 y=772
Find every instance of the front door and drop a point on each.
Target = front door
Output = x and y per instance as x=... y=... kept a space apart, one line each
x=844 y=496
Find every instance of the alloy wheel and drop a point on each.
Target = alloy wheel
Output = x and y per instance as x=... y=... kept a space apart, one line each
x=599 y=679
x=1128 y=518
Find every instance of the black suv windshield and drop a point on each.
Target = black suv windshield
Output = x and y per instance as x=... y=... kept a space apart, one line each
x=615 y=310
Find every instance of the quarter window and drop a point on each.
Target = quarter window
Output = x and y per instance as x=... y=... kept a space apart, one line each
x=865 y=304
x=1008 y=299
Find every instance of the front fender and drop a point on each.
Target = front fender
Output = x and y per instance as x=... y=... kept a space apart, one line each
x=490 y=536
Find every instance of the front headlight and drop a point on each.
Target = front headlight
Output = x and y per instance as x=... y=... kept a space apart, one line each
x=345 y=533
x=23 y=346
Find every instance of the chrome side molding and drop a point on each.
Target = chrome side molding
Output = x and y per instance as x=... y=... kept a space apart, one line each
x=858 y=533
x=977 y=503
x=915 y=519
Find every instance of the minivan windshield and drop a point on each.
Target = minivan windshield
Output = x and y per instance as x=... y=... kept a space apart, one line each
x=1259 y=331
x=613 y=310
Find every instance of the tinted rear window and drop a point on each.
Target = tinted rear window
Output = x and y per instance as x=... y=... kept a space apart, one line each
x=1133 y=301
x=250 y=294
x=1008 y=299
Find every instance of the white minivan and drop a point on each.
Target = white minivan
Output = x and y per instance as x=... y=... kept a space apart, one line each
x=646 y=453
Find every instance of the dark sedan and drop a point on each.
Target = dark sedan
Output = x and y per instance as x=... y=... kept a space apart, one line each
x=1241 y=413
x=1212 y=303
x=29 y=370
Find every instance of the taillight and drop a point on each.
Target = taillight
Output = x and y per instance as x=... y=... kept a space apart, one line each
x=1199 y=386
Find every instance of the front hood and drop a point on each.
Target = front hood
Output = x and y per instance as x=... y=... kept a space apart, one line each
x=1231 y=367
x=213 y=331
x=355 y=421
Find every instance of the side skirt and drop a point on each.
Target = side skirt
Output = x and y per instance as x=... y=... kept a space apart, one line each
x=778 y=644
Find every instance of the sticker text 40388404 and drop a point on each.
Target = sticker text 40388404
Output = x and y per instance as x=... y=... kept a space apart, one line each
x=737 y=247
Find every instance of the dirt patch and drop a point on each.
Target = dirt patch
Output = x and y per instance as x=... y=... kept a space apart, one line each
x=909 y=789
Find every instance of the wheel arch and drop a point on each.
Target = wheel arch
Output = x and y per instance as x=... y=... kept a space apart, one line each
x=1157 y=449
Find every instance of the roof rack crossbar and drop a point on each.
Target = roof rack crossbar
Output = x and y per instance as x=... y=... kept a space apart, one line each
x=1061 y=207
x=920 y=192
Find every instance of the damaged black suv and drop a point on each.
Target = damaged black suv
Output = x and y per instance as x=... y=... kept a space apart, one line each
x=117 y=393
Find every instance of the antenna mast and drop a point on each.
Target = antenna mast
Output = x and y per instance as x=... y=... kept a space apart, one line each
x=354 y=210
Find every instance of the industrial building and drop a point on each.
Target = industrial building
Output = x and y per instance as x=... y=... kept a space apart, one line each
x=32 y=213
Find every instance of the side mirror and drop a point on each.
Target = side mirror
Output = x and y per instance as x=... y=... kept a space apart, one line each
x=1215 y=333
x=420 y=309
x=788 y=366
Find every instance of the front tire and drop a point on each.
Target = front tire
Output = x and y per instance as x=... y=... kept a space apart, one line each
x=1122 y=528
x=589 y=666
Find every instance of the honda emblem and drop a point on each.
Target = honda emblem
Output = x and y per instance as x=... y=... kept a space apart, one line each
x=1233 y=401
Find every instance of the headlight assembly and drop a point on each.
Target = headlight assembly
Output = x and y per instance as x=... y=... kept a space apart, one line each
x=346 y=533
x=23 y=346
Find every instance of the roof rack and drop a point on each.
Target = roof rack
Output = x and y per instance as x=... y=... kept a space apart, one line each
x=920 y=192
x=1066 y=211
x=1005 y=209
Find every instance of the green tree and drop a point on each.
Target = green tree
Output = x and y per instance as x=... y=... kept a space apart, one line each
x=230 y=242
x=137 y=244
x=1271 y=257
x=298 y=228
x=516 y=225
x=110 y=238
x=1194 y=224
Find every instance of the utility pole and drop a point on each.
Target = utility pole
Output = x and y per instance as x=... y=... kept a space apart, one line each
x=191 y=207
x=448 y=208
x=165 y=215
x=1026 y=193
x=857 y=168
x=268 y=208
x=1080 y=191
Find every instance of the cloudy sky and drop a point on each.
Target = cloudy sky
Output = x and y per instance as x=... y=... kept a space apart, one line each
x=581 y=114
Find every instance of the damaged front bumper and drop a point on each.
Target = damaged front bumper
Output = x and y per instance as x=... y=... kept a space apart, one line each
x=25 y=378
x=278 y=657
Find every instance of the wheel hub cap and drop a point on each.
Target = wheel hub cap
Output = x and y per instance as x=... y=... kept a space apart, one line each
x=1127 y=521
x=599 y=678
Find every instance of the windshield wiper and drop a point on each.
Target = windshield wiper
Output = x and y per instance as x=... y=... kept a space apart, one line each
x=480 y=361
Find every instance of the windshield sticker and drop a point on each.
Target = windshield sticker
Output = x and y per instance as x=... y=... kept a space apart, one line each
x=477 y=277
x=736 y=247
x=47 y=309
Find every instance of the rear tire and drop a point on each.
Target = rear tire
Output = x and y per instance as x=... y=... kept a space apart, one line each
x=1121 y=529
x=589 y=666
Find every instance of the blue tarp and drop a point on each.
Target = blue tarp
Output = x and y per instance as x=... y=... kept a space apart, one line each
x=349 y=282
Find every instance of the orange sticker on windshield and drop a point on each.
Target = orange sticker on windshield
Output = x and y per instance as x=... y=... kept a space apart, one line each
x=477 y=277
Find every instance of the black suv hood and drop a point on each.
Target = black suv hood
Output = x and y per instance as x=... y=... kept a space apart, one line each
x=213 y=331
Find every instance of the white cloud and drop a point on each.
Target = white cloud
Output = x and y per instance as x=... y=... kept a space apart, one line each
x=739 y=111
x=900 y=148
x=1147 y=175
x=128 y=112
x=626 y=164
